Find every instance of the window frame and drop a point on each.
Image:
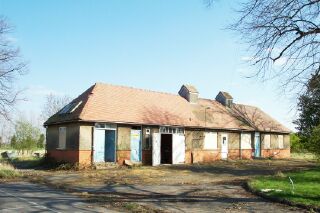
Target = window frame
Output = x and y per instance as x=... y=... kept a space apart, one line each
x=62 y=143
x=265 y=141
x=280 y=142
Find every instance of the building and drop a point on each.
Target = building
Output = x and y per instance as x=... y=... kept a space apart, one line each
x=109 y=123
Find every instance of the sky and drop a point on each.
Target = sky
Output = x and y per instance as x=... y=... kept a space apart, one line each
x=156 y=45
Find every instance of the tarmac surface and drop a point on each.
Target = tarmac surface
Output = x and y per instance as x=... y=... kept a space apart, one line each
x=28 y=197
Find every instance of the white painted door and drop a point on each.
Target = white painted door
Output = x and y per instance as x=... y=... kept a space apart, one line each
x=178 y=148
x=156 y=143
x=224 y=146
x=99 y=145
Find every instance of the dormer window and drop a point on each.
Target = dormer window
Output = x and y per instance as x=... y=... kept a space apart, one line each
x=190 y=93
x=225 y=99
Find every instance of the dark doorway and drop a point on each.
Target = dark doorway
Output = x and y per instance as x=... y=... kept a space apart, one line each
x=166 y=149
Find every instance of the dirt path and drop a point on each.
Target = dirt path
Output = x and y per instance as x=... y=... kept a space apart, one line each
x=188 y=198
x=183 y=188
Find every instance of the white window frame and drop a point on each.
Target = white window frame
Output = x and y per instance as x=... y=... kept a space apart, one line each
x=106 y=126
x=280 y=141
x=62 y=138
x=171 y=130
x=267 y=141
x=210 y=144
x=246 y=142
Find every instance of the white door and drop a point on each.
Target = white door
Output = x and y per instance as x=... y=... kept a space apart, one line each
x=156 y=149
x=224 y=146
x=178 y=148
x=99 y=145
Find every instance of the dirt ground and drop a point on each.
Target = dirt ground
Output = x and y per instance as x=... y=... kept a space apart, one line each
x=176 y=188
x=195 y=174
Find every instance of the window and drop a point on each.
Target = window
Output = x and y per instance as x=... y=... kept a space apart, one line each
x=246 y=141
x=267 y=141
x=62 y=137
x=105 y=126
x=210 y=140
x=280 y=141
x=71 y=107
x=171 y=130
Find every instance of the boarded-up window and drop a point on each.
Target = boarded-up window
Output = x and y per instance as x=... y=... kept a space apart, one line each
x=246 y=141
x=210 y=140
x=267 y=141
x=62 y=137
x=280 y=141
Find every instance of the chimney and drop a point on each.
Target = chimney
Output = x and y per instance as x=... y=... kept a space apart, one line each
x=190 y=93
x=225 y=99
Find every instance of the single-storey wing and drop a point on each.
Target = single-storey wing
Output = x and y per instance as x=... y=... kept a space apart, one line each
x=109 y=123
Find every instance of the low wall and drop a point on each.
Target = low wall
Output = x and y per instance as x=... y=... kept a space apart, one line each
x=64 y=156
x=275 y=153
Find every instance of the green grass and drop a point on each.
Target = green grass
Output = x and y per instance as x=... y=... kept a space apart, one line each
x=306 y=184
x=303 y=156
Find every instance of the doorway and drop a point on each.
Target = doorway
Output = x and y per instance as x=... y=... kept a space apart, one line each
x=104 y=146
x=224 y=146
x=166 y=149
x=110 y=150
x=257 y=149
x=135 y=145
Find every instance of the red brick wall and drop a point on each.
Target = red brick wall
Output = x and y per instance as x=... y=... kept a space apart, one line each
x=85 y=157
x=65 y=156
x=123 y=155
x=275 y=153
x=70 y=156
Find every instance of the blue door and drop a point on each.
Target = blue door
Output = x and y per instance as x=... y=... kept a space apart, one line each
x=135 y=145
x=99 y=145
x=257 y=144
x=110 y=145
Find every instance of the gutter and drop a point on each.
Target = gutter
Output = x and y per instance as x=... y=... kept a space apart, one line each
x=149 y=124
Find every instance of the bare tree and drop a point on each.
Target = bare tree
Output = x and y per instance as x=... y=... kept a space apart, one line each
x=253 y=117
x=285 y=33
x=53 y=104
x=11 y=66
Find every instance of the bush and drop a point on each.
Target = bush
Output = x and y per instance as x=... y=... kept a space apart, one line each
x=314 y=141
x=296 y=144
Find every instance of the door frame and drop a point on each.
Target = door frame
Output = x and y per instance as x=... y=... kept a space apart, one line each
x=105 y=126
x=115 y=145
x=257 y=153
x=227 y=150
x=140 y=144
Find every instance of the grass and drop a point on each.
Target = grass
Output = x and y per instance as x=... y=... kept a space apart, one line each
x=303 y=156
x=7 y=171
x=306 y=186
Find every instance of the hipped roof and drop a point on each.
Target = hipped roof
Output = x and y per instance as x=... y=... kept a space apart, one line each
x=120 y=104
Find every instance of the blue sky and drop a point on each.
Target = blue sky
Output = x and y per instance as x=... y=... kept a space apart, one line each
x=157 y=45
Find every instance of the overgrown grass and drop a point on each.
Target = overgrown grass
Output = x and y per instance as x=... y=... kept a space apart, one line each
x=303 y=156
x=7 y=171
x=306 y=189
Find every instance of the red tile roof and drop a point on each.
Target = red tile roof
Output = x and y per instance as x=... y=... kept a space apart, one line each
x=119 y=104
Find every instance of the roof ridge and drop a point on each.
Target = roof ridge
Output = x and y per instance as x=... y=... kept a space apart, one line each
x=85 y=106
x=135 y=88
